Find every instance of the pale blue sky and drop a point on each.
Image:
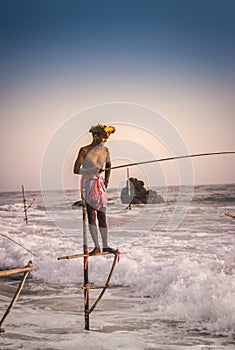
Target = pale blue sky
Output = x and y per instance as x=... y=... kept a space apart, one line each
x=61 y=57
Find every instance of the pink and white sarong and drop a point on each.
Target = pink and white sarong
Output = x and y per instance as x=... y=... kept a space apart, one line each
x=95 y=191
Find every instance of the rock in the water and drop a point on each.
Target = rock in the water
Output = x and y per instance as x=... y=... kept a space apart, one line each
x=135 y=193
x=77 y=204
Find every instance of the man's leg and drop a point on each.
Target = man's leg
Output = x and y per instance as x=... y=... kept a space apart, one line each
x=91 y=213
x=101 y=215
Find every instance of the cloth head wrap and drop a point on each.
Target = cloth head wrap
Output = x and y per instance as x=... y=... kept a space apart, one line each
x=102 y=130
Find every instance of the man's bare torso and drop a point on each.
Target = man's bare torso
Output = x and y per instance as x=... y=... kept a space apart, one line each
x=94 y=156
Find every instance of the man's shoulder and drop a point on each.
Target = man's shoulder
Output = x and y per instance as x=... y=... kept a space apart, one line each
x=85 y=148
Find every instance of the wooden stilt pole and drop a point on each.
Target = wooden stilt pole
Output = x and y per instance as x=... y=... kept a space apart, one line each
x=25 y=205
x=10 y=307
x=85 y=250
x=85 y=255
x=25 y=208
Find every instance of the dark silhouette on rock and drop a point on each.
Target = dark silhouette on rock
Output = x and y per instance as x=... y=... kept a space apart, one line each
x=77 y=204
x=136 y=193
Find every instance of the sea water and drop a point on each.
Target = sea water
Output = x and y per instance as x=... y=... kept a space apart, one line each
x=174 y=287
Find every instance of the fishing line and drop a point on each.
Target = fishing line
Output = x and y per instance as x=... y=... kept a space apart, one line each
x=29 y=251
x=12 y=240
x=169 y=158
x=71 y=239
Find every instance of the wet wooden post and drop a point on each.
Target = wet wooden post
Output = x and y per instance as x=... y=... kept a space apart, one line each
x=25 y=205
x=26 y=271
x=85 y=250
x=25 y=208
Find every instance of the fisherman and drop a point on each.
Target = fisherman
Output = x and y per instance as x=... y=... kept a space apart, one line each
x=90 y=162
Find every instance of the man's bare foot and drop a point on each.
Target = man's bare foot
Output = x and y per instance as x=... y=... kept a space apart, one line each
x=94 y=251
x=110 y=250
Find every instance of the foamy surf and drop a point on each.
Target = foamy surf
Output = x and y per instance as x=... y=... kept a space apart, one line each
x=171 y=289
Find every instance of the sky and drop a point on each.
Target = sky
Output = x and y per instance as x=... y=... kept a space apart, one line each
x=162 y=71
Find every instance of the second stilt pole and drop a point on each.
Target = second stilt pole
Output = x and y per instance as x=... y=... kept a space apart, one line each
x=85 y=250
x=25 y=208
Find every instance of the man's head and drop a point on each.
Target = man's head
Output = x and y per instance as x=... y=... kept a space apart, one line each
x=102 y=131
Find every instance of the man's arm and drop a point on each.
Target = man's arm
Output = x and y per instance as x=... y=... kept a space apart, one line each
x=107 y=173
x=107 y=169
x=78 y=162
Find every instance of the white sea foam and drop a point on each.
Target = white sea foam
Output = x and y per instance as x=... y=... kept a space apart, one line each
x=183 y=279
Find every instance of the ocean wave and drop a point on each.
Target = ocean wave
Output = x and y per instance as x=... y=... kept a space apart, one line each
x=216 y=198
x=186 y=275
x=12 y=207
x=187 y=289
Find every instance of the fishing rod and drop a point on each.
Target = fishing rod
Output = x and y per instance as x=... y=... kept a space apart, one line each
x=169 y=158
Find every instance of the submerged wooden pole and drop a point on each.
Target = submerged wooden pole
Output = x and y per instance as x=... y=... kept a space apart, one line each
x=25 y=208
x=10 y=307
x=25 y=205
x=85 y=250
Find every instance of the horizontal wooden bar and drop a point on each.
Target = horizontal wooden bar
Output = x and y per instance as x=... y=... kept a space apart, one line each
x=97 y=287
x=81 y=255
x=231 y=215
x=4 y=273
